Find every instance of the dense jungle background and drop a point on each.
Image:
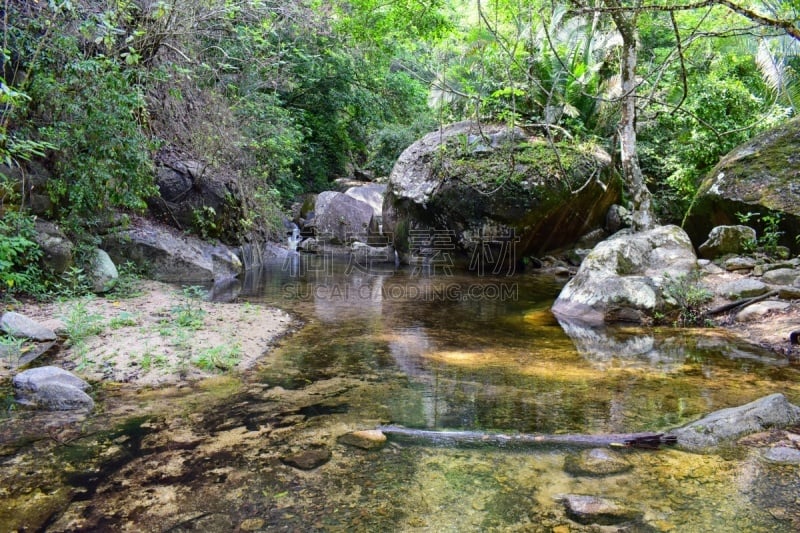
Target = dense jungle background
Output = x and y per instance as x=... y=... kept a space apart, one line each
x=276 y=99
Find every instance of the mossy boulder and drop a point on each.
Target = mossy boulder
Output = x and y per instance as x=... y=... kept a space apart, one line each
x=479 y=187
x=761 y=176
x=621 y=279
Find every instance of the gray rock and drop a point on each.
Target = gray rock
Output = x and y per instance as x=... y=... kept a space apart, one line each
x=757 y=310
x=309 y=245
x=371 y=194
x=57 y=248
x=727 y=240
x=595 y=510
x=577 y=255
x=617 y=218
x=341 y=219
x=757 y=176
x=789 y=293
x=165 y=254
x=783 y=455
x=596 y=462
x=773 y=411
x=621 y=277
x=18 y=325
x=592 y=239
x=225 y=265
x=103 y=273
x=742 y=288
x=781 y=276
x=364 y=254
x=443 y=184
x=189 y=188
x=737 y=263
x=52 y=388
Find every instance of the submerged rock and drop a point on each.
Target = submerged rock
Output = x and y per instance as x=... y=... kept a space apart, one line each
x=308 y=459
x=783 y=455
x=50 y=387
x=595 y=510
x=596 y=462
x=773 y=411
x=371 y=439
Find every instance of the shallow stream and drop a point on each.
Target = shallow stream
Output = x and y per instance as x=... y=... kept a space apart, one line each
x=432 y=350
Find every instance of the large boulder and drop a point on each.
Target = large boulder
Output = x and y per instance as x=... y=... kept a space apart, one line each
x=167 y=255
x=758 y=176
x=196 y=195
x=341 y=219
x=773 y=411
x=50 y=387
x=621 y=278
x=485 y=186
x=371 y=193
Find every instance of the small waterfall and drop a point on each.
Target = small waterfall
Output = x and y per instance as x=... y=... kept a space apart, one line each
x=293 y=238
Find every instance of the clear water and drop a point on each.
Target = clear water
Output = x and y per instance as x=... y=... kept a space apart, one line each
x=430 y=350
x=485 y=353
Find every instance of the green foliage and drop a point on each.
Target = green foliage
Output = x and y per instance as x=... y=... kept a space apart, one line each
x=687 y=293
x=723 y=109
x=223 y=357
x=204 y=219
x=15 y=149
x=388 y=143
x=11 y=349
x=129 y=281
x=73 y=283
x=19 y=254
x=189 y=314
x=80 y=324
x=104 y=157
x=122 y=320
x=769 y=224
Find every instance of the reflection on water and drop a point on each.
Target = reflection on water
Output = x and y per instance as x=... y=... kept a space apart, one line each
x=425 y=351
x=458 y=352
x=485 y=353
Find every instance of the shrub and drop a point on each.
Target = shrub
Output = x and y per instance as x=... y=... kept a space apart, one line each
x=688 y=295
x=103 y=158
x=19 y=254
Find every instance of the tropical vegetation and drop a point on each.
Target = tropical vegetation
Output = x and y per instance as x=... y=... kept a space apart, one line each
x=291 y=95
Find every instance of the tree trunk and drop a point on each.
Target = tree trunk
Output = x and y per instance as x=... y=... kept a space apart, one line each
x=642 y=216
x=523 y=440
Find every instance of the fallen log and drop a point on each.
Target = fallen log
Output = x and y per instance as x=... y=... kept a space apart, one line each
x=739 y=303
x=646 y=440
